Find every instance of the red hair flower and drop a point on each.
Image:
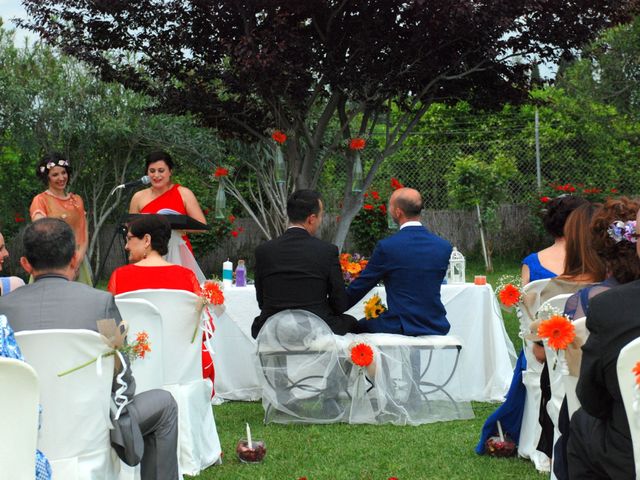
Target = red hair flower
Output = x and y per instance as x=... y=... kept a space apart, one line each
x=221 y=172
x=558 y=331
x=279 y=137
x=362 y=355
x=509 y=295
x=357 y=143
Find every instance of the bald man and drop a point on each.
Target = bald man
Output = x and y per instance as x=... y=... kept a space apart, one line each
x=412 y=264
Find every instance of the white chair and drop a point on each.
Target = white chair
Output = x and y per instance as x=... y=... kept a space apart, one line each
x=141 y=315
x=627 y=359
x=19 y=420
x=198 y=443
x=530 y=430
x=74 y=434
x=570 y=381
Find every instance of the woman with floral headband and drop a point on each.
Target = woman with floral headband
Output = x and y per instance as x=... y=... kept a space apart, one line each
x=54 y=171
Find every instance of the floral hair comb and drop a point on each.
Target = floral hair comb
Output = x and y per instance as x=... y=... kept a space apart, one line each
x=620 y=230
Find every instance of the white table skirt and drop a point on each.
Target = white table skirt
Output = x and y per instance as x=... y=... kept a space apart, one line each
x=484 y=371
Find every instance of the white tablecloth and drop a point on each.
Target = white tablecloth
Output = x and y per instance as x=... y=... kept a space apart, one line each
x=486 y=362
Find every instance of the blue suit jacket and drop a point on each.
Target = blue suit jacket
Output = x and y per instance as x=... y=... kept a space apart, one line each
x=412 y=264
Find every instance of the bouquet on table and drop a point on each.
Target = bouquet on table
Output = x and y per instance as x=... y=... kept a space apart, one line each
x=352 y=265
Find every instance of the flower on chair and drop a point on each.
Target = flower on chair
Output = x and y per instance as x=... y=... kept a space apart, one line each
x=558 y=330
x=362 y=355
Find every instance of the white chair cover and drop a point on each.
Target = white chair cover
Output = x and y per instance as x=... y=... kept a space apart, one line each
x=627 y=360
x=308 y=376
x=74 y=434
x=570 y=381
x=198 y=442
x=530 y=430
x=141 y=315
x=19 y=419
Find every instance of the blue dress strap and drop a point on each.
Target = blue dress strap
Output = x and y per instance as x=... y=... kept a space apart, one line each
x=536 y=270
x=5 y=282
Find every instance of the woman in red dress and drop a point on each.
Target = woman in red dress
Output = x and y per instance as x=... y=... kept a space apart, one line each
x=168 y=198
x=147 y=241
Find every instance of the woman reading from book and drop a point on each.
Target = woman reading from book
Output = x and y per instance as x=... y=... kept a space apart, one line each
x=167 y=198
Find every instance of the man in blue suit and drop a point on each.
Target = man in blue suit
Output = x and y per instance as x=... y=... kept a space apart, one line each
x=412 y=264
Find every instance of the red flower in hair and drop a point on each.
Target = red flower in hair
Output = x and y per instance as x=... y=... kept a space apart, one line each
x=279 y=137
x=357 y=143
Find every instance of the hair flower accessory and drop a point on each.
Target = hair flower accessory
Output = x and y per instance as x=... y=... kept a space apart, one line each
x=60 y=163
x=620 y=230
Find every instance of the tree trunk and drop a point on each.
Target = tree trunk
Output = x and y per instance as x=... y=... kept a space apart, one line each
x=350 y=208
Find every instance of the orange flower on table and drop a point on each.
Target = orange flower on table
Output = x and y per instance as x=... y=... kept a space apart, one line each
x=357 y=143
x=558 y=330
x=509 y=295
x=279 y=137
x=362 y=355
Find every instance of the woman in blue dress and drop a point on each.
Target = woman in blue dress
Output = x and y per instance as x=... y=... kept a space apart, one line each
x=7 y=284
x=10 y=349
x=547 y=263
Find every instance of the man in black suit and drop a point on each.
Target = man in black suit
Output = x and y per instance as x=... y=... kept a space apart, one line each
x=600 y=441
x=299 y=271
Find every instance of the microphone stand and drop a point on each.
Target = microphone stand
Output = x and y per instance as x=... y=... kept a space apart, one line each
x=118 y=228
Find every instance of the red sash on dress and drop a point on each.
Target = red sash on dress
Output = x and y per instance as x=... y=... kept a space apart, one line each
x=169 y=199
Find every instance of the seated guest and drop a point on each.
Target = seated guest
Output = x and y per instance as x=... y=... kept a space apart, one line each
x=299 y=271
x=7 y=284
x=412 y=264
x=600 y=441
x=549 y=262
x=147 y=241
x=613 y=239
x=54 y=301
x=10 y=349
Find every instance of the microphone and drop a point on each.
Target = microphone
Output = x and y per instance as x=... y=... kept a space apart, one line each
x=135 y=183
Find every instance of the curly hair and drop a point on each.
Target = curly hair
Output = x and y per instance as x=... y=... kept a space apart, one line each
x=620 y=258
x=557 y=211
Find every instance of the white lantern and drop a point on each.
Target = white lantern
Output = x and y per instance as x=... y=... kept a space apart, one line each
x=456 y=267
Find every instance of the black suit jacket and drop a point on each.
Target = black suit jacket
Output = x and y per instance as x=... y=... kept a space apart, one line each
x=299 y=271
x=613 y=321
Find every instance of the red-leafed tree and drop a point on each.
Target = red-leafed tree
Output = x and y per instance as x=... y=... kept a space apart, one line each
x=322 y=70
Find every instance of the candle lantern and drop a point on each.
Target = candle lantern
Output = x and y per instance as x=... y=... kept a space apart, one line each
x=456 y=267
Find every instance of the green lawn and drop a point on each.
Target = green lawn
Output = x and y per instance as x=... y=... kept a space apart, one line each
x=367 y=452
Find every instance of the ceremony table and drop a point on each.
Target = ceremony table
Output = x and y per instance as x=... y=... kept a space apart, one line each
x=483 y=374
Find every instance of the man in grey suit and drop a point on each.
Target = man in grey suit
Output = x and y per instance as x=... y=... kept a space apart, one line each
x=147 y=432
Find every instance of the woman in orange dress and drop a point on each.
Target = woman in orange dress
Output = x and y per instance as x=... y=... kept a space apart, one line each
x=147 y=242
x=167 y=198
x=54 y=170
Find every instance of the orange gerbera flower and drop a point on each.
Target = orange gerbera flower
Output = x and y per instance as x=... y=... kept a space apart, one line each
x=357 y=143
x=636 y=371
x=509 y=295
x=221 y=172
x=362 y=355
x=212 y=293
x=354 y=268
x=558 y=331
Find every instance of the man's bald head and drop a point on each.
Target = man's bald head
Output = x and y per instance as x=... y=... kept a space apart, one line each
x=409 y=201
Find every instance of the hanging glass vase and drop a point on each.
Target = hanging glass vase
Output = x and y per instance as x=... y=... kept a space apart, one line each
x=281 y=169
x=357 y=177
x=221 y=200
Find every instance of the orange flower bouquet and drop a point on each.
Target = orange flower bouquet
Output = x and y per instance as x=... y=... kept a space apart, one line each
x=211 y=295
x=352 y=265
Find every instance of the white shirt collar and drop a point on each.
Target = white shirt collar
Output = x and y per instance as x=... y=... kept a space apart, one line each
x=412 y=223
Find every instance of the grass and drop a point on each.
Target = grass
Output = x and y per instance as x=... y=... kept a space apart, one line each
x=442 y=450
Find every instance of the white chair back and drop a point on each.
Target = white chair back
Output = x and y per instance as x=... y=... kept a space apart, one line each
x=19 y=419
x=75 y=408
x=627 y=359
x=570 y=381
x=554 y=303
x=529 y=289
x=198 y=443
x=141 y=315
x=180 y=311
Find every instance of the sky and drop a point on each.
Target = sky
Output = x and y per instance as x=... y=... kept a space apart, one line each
x=10 y=9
